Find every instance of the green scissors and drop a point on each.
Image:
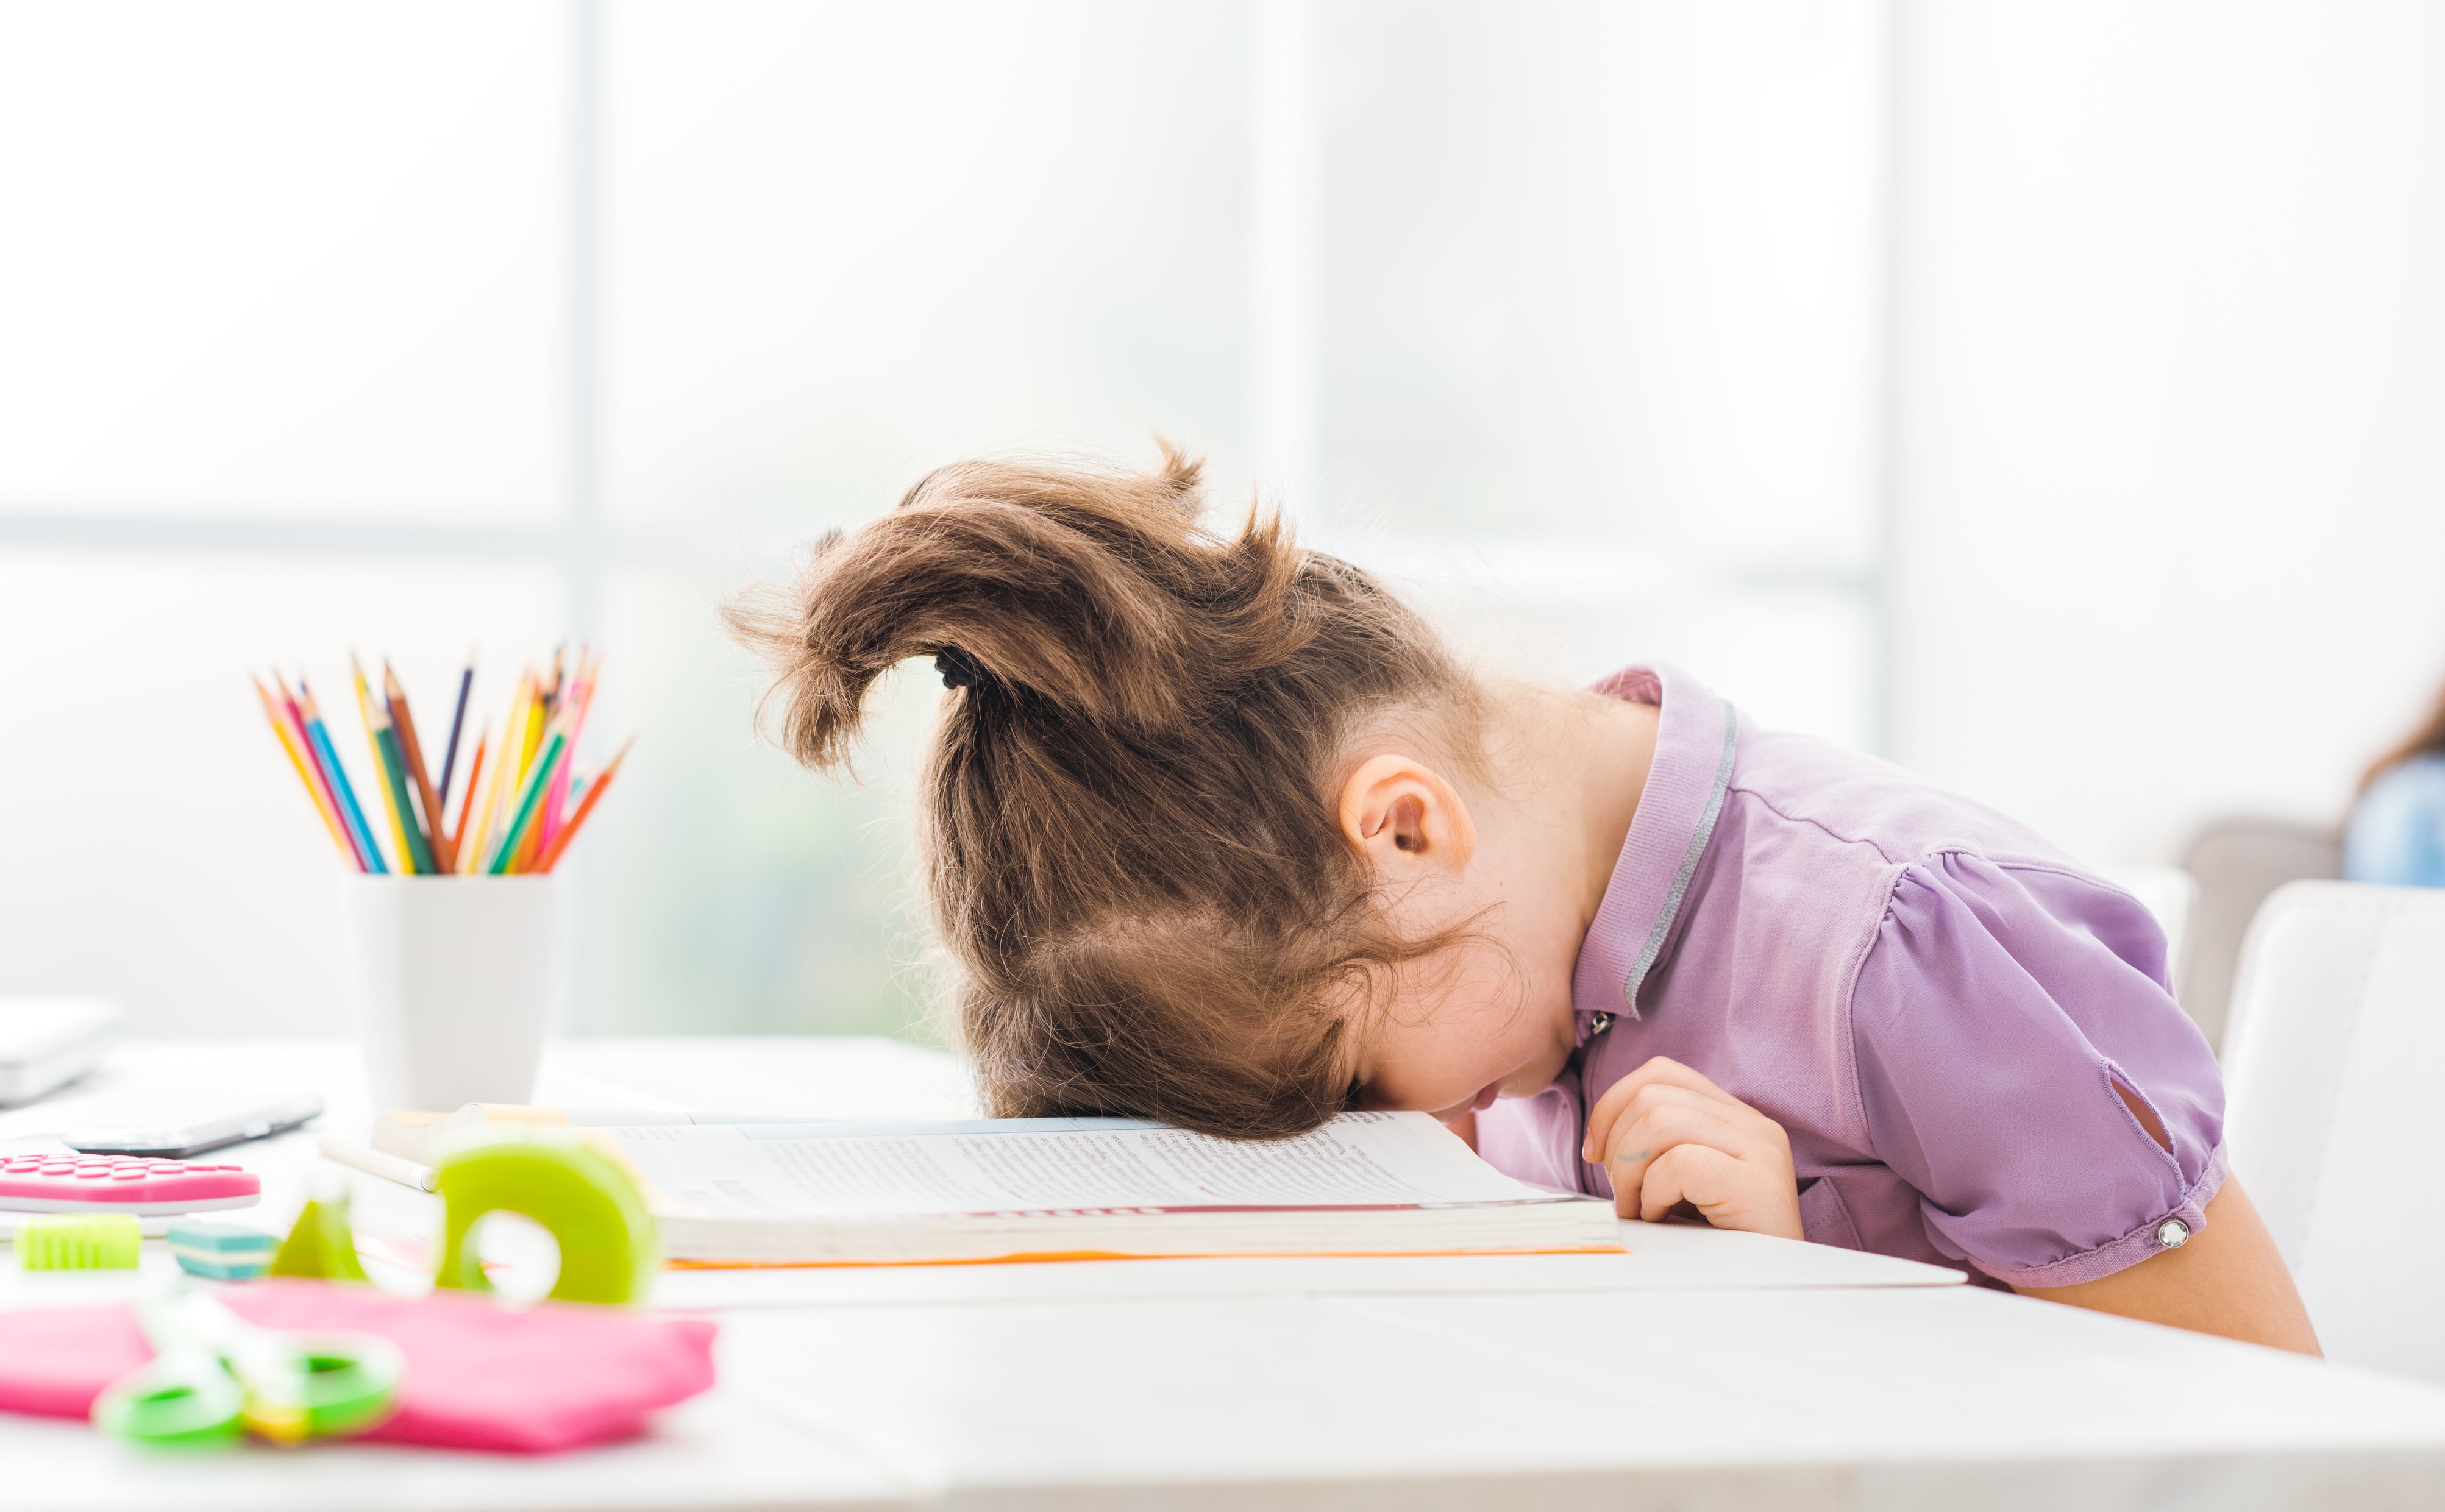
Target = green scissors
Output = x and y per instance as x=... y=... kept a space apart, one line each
x=214 y=1377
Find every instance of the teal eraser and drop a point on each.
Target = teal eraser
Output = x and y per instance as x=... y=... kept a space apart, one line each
x=221 y=1252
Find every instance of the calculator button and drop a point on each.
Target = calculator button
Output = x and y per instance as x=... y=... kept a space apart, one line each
x=128 y=1173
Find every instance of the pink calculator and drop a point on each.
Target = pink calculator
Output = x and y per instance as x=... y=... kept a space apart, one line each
x=122 y=1183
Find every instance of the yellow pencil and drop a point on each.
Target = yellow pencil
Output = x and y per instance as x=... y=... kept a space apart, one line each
x=398 y=821
x=297 y=760
x=502 y=777
x=532 y=739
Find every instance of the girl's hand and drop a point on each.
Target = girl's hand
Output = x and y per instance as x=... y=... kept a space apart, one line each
x=1666 y=1135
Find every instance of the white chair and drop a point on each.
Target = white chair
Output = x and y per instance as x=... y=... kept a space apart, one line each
x=2239 y=860
x=2335 y=1084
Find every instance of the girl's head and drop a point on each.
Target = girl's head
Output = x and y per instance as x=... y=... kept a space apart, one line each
x=2428 y=738
x=1192 y=816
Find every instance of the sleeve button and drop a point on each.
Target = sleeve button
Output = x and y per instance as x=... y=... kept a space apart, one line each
x=2173 y=1234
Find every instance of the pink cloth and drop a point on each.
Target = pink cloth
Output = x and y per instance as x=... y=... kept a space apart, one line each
x=1934 y=1003
x=479 y=1376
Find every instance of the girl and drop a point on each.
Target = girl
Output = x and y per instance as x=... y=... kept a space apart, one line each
x=1219 y=834
x=2397 y=833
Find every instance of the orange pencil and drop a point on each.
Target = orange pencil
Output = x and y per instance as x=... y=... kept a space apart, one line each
x=467 y=795
x=435 y=833
x=585 y=806
x=297 y=760
x=530 y=846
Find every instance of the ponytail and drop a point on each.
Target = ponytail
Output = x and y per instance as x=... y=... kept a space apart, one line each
x=1129 y=847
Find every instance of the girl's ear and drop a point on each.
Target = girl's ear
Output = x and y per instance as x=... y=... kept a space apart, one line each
x=1406 y=819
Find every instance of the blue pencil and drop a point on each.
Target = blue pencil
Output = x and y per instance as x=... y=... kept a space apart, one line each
x=457 y=722
x=338 y=775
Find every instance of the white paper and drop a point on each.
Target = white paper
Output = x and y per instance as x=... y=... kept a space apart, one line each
x=1358 y=1160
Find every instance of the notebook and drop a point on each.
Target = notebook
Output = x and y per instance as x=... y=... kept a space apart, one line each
x=866 y=1193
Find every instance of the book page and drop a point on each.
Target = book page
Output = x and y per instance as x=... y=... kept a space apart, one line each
x=1357 y=1160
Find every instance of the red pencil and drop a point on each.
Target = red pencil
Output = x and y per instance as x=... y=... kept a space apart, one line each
x=585 y=807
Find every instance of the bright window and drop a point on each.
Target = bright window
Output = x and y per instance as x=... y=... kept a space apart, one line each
x=398 y=329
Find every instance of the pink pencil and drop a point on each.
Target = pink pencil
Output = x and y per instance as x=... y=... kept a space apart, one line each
x=594 y=790
x=296 y=720
x=580 y=703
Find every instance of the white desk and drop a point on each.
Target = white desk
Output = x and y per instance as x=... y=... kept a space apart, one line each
x=1704 y=1369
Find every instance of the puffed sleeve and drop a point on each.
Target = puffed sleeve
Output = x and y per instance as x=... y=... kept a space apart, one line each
x=1995 y=1016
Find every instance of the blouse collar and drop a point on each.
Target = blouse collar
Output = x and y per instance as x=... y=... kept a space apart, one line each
x=1696 y=734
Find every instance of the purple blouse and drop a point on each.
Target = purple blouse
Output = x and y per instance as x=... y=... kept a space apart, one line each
x=1935 y=1004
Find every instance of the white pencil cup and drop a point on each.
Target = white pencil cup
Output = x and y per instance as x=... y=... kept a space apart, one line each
x=457 y=980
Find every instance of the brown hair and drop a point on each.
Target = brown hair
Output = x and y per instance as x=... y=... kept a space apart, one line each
x=1129 y=847
x=2428 y=739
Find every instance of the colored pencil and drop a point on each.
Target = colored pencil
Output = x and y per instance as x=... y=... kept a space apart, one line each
x=531 y=742
x=285 y=709
x=388 y=783
x=529 y=802
x=314 y=763
x=506 y=766
x=338 y=775
x=594 y=787
x=394 y=766
x=519 y=799
x=581 y=703
x=530 y=843
x=487 y=818
x=382 y=768
x=402 y=722
x=467 y=801
x=297 y=763
x=457 y=722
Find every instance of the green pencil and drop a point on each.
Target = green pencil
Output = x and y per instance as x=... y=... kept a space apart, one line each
x=395 y=773
x=530 y=801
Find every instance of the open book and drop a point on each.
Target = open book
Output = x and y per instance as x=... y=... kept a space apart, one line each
x=776 y=1193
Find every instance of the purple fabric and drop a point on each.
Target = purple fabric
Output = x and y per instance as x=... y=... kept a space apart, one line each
x=1933 y=1002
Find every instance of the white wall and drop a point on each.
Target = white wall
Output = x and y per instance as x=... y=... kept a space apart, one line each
x=1564 y=314
x=1597 y=363
x=2169 y=484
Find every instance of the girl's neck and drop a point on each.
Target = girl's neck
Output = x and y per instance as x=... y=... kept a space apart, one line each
x=1575 y=764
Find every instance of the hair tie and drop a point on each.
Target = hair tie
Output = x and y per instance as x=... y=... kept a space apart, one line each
x=959 y=669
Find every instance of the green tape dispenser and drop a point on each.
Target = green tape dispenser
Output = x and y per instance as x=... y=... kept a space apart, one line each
x=581 y=1196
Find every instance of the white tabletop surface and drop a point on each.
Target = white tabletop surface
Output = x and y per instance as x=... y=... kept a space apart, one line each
x=1699 y=1370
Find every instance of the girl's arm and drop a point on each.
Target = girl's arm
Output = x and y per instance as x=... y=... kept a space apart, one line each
x=1667 y=1133
x=2227 y=1280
